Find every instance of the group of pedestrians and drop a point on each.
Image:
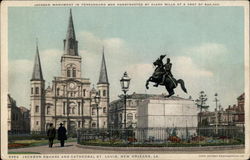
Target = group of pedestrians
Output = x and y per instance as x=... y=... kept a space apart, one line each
x=61 y=134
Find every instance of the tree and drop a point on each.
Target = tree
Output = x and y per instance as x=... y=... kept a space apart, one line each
x=201 y=104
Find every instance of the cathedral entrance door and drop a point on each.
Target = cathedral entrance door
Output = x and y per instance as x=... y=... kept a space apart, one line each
x=72 y=127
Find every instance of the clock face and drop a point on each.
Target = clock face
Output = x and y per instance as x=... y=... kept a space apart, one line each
x=72 y=85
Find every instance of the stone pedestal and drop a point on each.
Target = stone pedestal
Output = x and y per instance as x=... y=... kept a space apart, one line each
x=163 y=115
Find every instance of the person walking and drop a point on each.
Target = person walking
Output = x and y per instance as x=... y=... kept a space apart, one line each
x=62 y=134
x=51 y=133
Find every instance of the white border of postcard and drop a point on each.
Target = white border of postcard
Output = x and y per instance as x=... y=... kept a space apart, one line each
x=4 y=71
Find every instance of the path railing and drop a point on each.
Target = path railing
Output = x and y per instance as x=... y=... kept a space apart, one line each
x=165 y=136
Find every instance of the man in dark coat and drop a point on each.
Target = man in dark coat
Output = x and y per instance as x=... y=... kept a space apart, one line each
x=62 y=134
x=51 y=133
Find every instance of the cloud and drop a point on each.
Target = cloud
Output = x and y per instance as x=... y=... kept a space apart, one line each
x=120 y=57
x=50 y=61
x=90 y=42
x=117 y=54
x=20 y=72
x=185 y=66
x=114 y=47
x=139 y=73
x=207 y=49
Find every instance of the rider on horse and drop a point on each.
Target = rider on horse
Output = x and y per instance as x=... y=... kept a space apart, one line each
x=168 y=73
x=163 y=76
x=167 y=70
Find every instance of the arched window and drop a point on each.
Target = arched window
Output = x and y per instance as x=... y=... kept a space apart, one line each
x=130 y=116
x=37 y=108
x=73 y=110
x=58 y=91
x=84 y=92
x=104 y=93
x=64 y=107
x=104 y=109
x=93 y=125
x=37 y=90
x=74 y=72
x=48 y=110
x=68 y=72
x=93 y=111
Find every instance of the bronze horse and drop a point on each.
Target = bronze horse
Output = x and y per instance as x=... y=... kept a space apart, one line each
x=170 y=83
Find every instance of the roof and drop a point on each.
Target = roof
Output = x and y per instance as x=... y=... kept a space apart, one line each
x=11 y=101
x=93 y=90
x=23 y=109
x=71 y=30
x=103 y=77
x=37 y=69
x=242 y=96
x=71 y=46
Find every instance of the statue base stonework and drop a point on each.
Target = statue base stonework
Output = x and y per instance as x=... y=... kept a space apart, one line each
x=160 y=114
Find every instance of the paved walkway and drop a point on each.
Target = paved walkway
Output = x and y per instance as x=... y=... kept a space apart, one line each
x=71 y=148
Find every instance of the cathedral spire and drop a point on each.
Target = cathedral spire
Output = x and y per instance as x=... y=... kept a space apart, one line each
x=70 y=43
x=103 y=77
x=37 y=70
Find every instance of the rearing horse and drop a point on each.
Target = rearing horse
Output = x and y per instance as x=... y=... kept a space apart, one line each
x=170 y=83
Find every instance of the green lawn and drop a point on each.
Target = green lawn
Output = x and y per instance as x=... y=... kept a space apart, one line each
x=170 y=144
x=32 y=143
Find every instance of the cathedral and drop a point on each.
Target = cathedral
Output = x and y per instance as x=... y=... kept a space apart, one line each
x=70 y=99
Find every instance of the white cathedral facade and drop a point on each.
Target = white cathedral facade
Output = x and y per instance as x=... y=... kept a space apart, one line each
x=70 y=99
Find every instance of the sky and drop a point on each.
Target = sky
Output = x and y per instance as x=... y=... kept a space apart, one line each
x=205 y=45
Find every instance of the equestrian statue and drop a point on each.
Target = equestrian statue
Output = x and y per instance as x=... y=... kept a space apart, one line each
x=163 y=76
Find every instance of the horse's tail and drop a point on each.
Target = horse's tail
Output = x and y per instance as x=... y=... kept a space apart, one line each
x=181 y=82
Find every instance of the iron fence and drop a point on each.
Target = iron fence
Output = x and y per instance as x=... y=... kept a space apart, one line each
x=180 y=136
x=24 y=135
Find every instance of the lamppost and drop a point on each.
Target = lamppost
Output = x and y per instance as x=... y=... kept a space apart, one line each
x=97 y=101
x=216 y=113
x=125 y=80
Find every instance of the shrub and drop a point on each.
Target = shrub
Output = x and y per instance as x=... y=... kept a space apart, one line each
x=174 y=139
x=198 y=138
x=17 y=145
x=132 y=139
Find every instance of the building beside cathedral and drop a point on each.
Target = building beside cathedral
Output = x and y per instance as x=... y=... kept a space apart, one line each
x=70 y=99
x=18 y=117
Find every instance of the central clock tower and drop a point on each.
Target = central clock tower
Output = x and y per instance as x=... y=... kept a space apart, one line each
x=71 y=61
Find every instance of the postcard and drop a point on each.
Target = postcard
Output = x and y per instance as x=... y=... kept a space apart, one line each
x=124 y=80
